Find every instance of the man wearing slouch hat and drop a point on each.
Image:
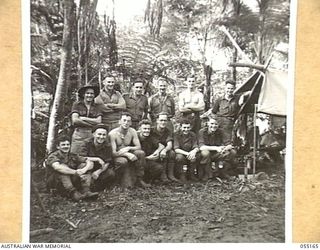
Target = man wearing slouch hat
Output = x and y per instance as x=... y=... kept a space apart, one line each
x=85 y=114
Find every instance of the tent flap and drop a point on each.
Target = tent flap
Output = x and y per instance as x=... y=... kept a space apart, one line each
x=273 y=94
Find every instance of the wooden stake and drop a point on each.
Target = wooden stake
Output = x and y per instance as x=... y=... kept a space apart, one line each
x=254 y=139
x=225 y=31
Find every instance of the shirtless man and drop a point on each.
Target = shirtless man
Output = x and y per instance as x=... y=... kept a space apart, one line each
x=127 y=153
x=191 y=103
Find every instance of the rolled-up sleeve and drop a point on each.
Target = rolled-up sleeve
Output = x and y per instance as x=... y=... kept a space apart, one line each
x=52 y=158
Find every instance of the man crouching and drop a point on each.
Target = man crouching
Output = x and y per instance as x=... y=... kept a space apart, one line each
x=152 y=148
x=214 y=148
x=127 y=153
x=67 y=172
x=98 y=150
x=187 y=152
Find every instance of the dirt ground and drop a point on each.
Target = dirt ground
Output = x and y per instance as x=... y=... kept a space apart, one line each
x=216 y=211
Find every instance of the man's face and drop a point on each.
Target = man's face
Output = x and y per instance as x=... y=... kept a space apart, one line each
x=100 y=135
x=138 y=88
x=191 y=82
x=64 y=146
x=162 y=121
x=162 y=87
x=145 y=129
x=89 y=95
x=125 y=121
x=229 y=89
x=185 y=128
x=212 y=125
x=109 y=83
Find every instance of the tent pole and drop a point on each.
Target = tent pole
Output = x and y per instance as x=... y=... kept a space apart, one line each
x=254 y=139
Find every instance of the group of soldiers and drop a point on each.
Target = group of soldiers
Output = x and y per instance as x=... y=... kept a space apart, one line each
x=130 y=139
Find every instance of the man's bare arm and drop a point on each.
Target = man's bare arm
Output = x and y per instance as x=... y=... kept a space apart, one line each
x=180 y=151
x=121 y=104
x=76 y=120
x=92 y=121
x=63 y=168
x=169 y=146
x=181 y=104
x=113 y=144
x=84 y=121
x=200 y=105
x=135 y=140
x=211 y=148
x=158 y=150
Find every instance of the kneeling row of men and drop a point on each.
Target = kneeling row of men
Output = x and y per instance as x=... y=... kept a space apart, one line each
x=137 y=157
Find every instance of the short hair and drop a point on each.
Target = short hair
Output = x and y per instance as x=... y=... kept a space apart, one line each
x=100 y=125
x=108 y=76
x=125 y=113
x=230 y=81
x=144 y=122
x=162 y=113
x=185 y=121
x=62 y=138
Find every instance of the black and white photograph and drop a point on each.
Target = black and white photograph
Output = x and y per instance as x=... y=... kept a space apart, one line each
x=159 y=121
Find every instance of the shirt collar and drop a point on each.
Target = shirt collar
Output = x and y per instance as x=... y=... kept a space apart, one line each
x=107 y=91
x=92 y=104
x=224 y=97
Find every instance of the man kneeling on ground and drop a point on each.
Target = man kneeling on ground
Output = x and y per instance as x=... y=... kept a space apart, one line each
x=187 y=151
x=152 y=148
x=213 y=149
x=127 y=153
x=67 y=172
x=98 y=150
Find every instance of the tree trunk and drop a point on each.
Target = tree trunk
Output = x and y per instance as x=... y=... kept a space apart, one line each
x=234 y=69
x=208 y=73
x=65 y=59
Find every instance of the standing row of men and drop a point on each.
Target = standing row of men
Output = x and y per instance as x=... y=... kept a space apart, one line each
x=151 y=153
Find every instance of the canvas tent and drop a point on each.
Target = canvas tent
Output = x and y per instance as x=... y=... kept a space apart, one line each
x=266 y=89
x=266 y=92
